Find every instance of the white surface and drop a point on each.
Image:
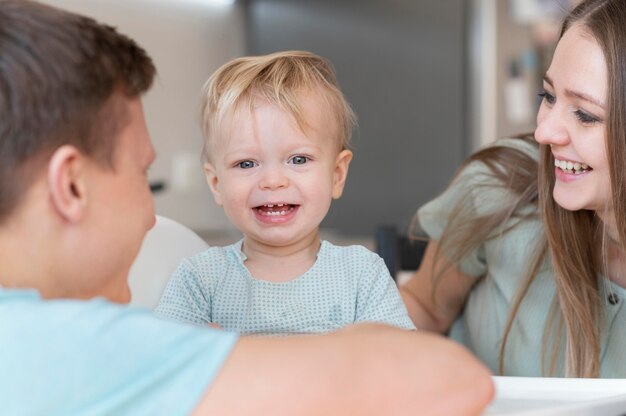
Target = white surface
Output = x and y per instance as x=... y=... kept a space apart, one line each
x=165 y=245
x=530 y=396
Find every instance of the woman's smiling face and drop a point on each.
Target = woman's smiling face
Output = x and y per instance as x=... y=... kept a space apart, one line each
x=571 y=120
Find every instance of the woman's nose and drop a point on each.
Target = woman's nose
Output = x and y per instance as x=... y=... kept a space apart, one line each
x=551 y=127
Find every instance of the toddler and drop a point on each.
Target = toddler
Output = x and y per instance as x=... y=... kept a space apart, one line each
x=277 y=130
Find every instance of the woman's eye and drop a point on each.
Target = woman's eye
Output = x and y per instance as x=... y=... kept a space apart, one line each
x=547 y=97
x=299 y=160
x=246 y=164
x=586 y=118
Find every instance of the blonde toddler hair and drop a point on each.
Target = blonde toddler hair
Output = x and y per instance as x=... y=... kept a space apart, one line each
x=281 y=79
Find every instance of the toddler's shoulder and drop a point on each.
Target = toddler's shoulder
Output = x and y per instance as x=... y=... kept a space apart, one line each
x=353 y=255
x=213 y=259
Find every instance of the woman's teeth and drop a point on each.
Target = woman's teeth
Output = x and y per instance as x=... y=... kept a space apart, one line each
x=571 y=167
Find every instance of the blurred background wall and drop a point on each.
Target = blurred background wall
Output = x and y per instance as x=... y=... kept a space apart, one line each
x=401 y=65
x=430 y=82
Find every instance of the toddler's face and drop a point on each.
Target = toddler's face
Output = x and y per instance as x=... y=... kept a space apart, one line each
x=274 y=181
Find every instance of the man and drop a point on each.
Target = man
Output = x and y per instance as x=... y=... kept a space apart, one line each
x=74 y=208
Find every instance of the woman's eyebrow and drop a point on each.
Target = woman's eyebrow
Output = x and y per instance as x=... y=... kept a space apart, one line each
x=577 y=94
x=585 y=97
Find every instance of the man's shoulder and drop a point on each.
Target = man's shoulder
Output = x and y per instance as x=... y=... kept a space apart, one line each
x=106 y=352
x=33 y=314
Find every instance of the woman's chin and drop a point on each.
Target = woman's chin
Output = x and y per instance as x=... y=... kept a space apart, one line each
x=568 y=201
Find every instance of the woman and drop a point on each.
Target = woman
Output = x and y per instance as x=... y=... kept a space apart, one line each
x=526 y=263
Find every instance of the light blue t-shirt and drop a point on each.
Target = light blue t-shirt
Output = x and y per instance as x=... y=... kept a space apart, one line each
x=63 y=357
x=345 y=285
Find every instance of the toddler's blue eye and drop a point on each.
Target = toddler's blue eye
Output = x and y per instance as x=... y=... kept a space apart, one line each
x=246 y=164
x=299 y=160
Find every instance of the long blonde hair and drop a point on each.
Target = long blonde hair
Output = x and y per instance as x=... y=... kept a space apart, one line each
x=572 y=238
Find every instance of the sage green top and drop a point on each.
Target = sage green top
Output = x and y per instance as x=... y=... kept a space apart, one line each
x=501 y=263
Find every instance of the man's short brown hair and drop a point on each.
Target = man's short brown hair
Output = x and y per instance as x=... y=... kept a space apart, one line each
x=58 y=73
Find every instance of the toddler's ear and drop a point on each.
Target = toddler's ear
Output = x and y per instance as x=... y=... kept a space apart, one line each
x=342 y=162
x=213 y=181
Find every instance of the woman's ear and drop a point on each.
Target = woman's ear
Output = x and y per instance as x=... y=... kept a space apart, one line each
x=342 y=163
x=66 y=183
x=213 y=181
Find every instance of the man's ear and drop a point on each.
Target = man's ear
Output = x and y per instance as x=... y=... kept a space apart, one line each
x=342 y=163
x=66 y=183
x=213 y=181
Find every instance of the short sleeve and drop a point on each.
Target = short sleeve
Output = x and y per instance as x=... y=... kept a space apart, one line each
x=476 y=193
x=95 y=358
x=186 y=297
x=378 y=299
x=434 y=216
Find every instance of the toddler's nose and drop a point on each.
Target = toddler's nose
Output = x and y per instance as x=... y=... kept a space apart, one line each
x=273 y=178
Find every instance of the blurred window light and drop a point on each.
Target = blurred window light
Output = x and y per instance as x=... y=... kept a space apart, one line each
x=211 y=2
x=225 y=2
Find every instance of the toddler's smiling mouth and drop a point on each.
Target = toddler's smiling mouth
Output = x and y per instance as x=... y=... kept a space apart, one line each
x=275 y=209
